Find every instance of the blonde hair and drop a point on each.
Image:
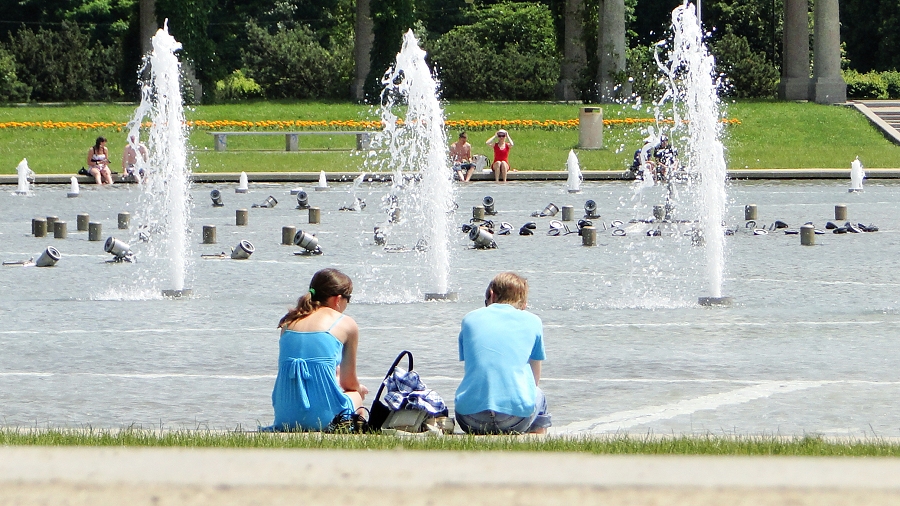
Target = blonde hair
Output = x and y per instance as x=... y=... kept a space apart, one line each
x=510 y=288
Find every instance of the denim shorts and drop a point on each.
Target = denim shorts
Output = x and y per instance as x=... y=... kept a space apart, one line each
x=491 y=422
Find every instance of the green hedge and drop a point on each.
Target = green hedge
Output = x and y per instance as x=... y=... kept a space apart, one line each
x=873 y=85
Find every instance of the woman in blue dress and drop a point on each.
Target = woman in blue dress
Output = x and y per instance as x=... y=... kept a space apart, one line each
x=317 y=357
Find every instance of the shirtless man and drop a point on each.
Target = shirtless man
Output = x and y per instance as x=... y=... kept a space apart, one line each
x=461 y=157
x=130 y=165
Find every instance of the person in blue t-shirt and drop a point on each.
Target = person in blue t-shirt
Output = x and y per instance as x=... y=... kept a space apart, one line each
x=502 y=346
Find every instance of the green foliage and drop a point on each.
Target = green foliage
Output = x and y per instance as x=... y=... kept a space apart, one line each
x=508 y=52
x=641 y=68
x=11 y=89
x=237 y=86
x=390 y=20
x=749 y=74
x=871 y=85
x=892 y=80
x=291 y=63
x=64 y=66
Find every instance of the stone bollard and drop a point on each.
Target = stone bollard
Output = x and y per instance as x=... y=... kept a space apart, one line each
x=124 y=220
x=315 y=215
x=588 y=236
x=568 y=212
x=50 y=220
x=39 y=227
x=95 y=231
x=241 y=217
x=807 y=235
x=60 y=231
x=478 y=213
x=81 y=222
x=209 y=234
x=750 y=212
x=840 y=212
x=287 y=235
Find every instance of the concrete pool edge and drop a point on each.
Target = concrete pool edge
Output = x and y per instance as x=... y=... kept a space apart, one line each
x=524 y=175
x=48 y=475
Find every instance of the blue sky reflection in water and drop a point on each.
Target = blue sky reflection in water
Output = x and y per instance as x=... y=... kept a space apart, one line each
x=810 y=345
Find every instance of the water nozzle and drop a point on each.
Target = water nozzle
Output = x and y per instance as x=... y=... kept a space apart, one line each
x=118 y=249
x=243 y=250
x=488 y=203
x=302 y=200
x=309 y=242
x=550 y=210
x=216 y=197
x=482 y=238
x=48 y=258
x=590 y=209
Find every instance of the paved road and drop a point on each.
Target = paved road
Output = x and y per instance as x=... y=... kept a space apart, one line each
x=99 y=476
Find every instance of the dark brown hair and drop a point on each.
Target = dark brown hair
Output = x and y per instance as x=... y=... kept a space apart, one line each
x=324 y=284
x=97 y=143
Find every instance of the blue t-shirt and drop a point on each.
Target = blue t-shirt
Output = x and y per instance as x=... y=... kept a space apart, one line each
x=496 y=342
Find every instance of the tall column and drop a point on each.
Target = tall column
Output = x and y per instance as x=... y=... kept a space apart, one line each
x=362 y=48
x=794 y=83
x=827 y=85
x=148 y=24
x=574 y=54
x=611 y=49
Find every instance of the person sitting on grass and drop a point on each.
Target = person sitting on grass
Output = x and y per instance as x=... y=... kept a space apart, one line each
x=98 y=162
x=502 y=346
x=317 y=379
x=461 y=158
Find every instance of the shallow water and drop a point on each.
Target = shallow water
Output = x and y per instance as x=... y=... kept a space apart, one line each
x=810 y=345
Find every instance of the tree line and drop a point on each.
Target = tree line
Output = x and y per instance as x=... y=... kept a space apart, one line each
x=90 y=50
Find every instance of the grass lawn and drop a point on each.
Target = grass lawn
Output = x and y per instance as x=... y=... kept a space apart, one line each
x=771 y=135
x=708 y=445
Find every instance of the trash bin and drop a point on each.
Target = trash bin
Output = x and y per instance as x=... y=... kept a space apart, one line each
x=590 y=130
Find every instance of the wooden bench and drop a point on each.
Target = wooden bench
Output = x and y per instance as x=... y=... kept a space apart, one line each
x=292 y=139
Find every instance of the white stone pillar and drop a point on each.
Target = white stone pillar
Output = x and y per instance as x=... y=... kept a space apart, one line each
x=362 y=47
x=827 y=85
x=794 y=83
x=611 y=49
x=574 y=54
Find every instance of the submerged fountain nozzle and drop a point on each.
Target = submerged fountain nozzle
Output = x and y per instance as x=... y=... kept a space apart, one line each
x=119 y=250
x=216 y=197
x=590 y=210
x=488 y=203
x=380 y=239
x=48 y=258
x=269 y=203
x=243 y=250
x=302 y=200
x=309 y=243
x=482 y=238
x=550 y=210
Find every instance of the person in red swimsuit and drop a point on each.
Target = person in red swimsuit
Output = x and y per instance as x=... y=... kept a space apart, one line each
x=501 y=154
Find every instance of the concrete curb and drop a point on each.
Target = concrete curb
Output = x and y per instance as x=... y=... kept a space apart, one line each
x=89 y=475
x=531 y=175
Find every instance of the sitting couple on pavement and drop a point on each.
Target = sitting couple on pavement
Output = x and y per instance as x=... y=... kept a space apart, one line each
x=501 y=344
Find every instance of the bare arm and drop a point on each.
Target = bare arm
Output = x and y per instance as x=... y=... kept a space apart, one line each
x=536 y=370
x=347 y=371
x=509 y=139
x=491 y=140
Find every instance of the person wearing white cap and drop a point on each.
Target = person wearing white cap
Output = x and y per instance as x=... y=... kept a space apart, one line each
x=502 y=142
